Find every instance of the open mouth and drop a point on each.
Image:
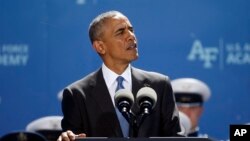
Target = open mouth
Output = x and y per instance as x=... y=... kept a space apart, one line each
x=132 y=46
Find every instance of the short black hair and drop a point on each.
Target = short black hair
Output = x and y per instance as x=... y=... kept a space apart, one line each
x=95 y=27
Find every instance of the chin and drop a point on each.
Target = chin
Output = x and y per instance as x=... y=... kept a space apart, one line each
x=135 y=58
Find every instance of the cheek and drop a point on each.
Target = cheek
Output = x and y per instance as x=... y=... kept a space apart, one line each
x=117 y=46
x=189 y=112
x=183 y=109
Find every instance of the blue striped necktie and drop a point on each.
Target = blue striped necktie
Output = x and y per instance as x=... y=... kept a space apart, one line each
x=123 y=122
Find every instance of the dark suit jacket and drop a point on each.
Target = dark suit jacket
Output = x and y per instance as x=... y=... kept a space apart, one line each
x=88 y=108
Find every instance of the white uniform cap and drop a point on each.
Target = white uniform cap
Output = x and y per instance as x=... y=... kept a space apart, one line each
x=190 y=87
x=45 y=123
x=60 y=95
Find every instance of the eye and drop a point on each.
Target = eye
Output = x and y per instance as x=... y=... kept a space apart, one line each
x=131 y=29
x=120 y=31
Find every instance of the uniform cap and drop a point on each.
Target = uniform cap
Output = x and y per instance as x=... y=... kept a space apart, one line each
x=22 y=136
x=48 y=126
x=190 y=91
x=45 y=123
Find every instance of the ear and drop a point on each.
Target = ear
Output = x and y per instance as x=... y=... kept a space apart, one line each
x=99 y=47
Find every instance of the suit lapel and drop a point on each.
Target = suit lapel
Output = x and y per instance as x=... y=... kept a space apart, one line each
x=138 y=81
x=105 y=103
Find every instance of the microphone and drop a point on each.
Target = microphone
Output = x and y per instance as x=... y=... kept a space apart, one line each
x=124 y=100
x=146 y=99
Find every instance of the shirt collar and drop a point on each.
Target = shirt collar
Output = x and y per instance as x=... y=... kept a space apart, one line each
x=110 y=76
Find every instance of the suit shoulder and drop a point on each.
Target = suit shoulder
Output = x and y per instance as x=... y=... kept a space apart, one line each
x=85 y=82
x=151 y=74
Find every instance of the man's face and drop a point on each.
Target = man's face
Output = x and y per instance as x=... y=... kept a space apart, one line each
x=119 y=41
x=193 y=113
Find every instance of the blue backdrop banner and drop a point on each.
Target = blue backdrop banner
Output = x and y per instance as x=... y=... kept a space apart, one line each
x=44 y=46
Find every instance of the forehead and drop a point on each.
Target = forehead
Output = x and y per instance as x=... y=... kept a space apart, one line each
x=118 y=20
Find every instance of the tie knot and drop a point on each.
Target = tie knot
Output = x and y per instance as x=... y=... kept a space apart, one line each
x=119 y=80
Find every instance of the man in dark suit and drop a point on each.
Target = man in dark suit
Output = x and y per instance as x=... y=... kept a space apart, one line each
x=88 y=104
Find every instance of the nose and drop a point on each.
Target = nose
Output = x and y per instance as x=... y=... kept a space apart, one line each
x=130 y=35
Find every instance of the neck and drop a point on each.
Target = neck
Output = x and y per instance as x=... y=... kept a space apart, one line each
x=117 y=68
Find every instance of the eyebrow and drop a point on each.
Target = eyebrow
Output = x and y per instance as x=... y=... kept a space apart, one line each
x=123 y=28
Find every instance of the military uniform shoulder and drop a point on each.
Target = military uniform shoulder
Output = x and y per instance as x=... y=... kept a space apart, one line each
x=209 y=137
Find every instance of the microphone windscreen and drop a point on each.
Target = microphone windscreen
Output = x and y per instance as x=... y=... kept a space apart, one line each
x=146 y=92
x=124 y=94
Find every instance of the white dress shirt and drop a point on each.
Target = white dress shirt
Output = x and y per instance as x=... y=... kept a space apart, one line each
x=110 y=80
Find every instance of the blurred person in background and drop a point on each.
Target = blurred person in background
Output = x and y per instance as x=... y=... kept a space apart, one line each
x=190 y=95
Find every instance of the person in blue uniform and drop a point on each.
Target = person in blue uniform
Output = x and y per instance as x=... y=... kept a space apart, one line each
x=190 y=95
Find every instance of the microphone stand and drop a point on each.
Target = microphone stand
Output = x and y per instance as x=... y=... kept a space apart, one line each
x=135 y=123
x=134 y=120
x=133 y=128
